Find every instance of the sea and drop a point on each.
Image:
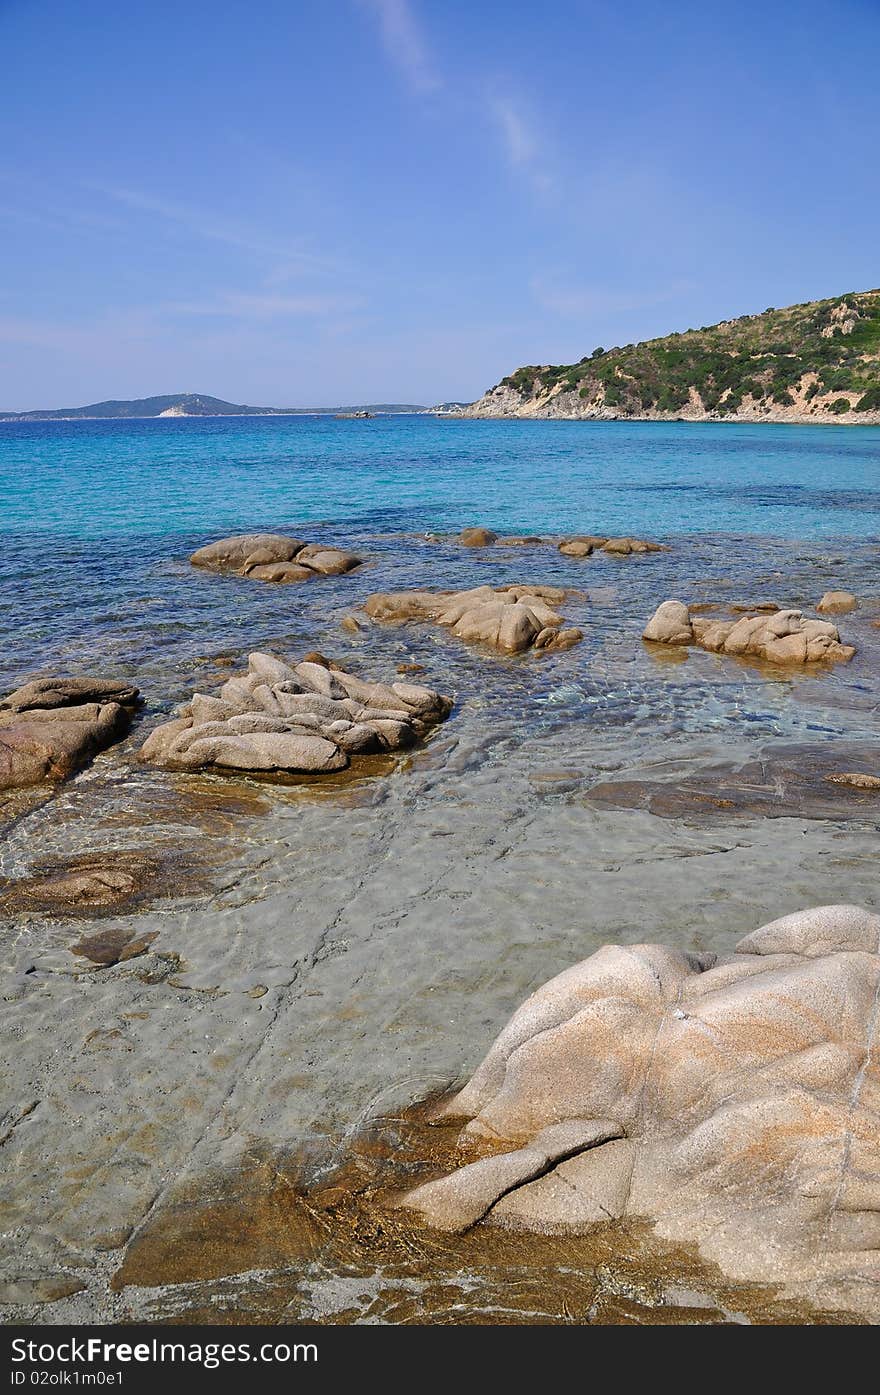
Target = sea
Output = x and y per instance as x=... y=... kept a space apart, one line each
x=98 y=517
x=316 y=959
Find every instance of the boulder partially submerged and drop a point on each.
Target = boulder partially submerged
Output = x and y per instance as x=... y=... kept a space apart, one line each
x=781 y=637
x=274 y=557
x=584 y=544
x=734 y=1103
x=477 y=537
x=294 y=719
x=837 y=603
x=51 y=727
x=508 y=618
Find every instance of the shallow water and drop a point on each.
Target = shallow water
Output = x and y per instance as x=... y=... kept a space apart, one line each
x=326 y=953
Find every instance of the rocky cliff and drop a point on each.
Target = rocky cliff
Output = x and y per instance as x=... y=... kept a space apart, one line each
x=816 y=362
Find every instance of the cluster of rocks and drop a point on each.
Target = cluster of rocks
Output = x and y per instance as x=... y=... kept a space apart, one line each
x=781 y=637
x=484 y=537
x=733 y=1103
x=305 y=718
x=585 y=544
x=579 y=546
x=52 y=726
x=508 y=618
x=273 y=557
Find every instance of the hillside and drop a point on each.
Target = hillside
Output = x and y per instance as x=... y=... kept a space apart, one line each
x=189 y=404
x=816 y=362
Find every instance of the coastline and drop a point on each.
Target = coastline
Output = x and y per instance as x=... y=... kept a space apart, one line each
x=784 y=417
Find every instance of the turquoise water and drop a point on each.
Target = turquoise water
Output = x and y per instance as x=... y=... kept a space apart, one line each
x=98 y=520
x=206 y=477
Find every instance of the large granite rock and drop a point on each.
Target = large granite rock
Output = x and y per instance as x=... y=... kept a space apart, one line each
x=734 y=1104
x=51 y=727
x=509 y=618
x=273 y=557
x=837 y=603
x=305 y=718
x=781 y=637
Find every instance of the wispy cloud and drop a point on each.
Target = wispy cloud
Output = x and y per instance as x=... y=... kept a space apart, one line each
x=267 y=307
x=213 y=228
x=75 y=338
x=520 y=141
x=404 y=42
x=525 y=149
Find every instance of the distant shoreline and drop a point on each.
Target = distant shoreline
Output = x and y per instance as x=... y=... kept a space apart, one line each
x=209 y=416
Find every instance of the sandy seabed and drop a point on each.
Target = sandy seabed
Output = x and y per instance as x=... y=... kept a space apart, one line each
x=207 y=1126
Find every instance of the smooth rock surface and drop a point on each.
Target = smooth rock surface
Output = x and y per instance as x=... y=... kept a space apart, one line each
x=781 y=637
x=670 y=624
x=477 y=537
x=746 y=1092
x=274 y=557
x=837 y=603
x=624 y=547
x=584 y=544
x=508 y=618
x=463 y=1198
x=294 y=719
x=51 y=727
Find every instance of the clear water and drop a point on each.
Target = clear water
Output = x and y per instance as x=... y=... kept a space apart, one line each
x=203 y=477
x=98 y=519
x=392 y=936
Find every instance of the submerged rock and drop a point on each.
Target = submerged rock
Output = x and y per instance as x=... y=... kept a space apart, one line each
x=855 y=779
x=623 y=547
x=305 y=718
x=734 y=1104
x=274 y=557
x=509 y=618
x=580 y=546
x=52 y=727
x=796 y=781
x=477 y=537
x=780 y=637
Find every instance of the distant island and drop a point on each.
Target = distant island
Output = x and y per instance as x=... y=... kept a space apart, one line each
x=196 y=404
x=816 y=362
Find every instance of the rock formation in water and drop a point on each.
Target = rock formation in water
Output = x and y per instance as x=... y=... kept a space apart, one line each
x=585 y=544
x=305 y=718
x=782 y=637
x=477 y=537
x=580 y=545
x=837 y=603
x=51 y=727
x=733 y=1103
x=509 y=618
x=273 y=557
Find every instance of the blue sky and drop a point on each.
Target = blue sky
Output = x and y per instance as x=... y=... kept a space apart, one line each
x=359 y=200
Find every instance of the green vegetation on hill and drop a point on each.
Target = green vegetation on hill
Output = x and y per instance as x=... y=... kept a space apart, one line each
x=780 y=358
